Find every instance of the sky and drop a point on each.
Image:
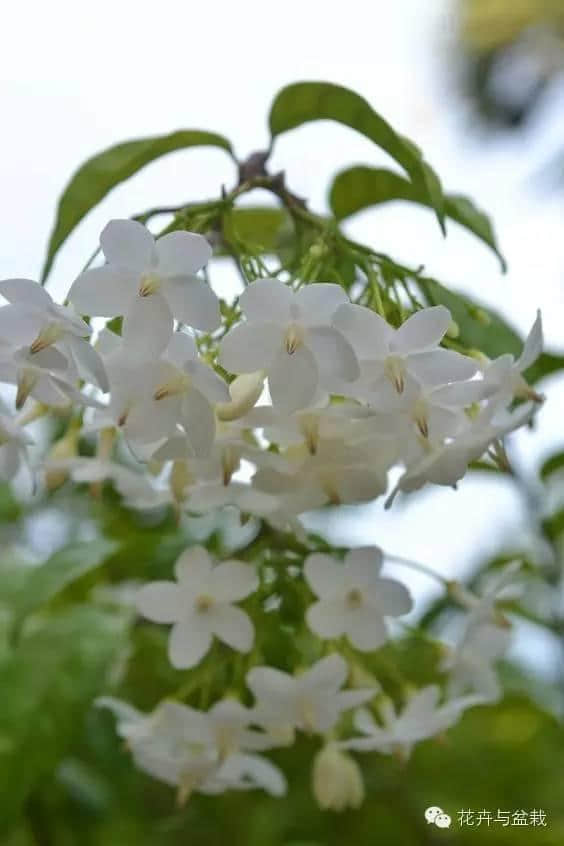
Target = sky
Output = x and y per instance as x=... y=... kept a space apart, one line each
x=75 y=79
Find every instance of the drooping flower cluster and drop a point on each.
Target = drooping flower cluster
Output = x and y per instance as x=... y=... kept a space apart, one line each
x=296 y=398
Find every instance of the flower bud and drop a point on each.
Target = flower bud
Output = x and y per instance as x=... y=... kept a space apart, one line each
x=337 y=780
x=245 y=391
x=65 y=447
x=453 y=330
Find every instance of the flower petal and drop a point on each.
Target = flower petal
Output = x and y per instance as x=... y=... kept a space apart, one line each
x=319 y=301
x=194 y=567
x=207 y=381
x=192 y=302
x=368 y=333
x=104 y=291
x=198 y=418
x=231 y=625
x=248 y=347
x=390 y=597
x=160 y=602
x=363 y=565
x=333 y=353
x=325 y=618
x=532 y=347
x=268 y=684
x=422 y=331
x=267 y=300
x=188 y=643
x=439 y=367
x=329 y=672
x=25 y=291
x=181 y=253
x=127 y=243
x=20 y=325
x=233 y=580
x=252 y=770
x=365 y=629
x=181 y=348
x=324 y=574
x=147 y=327
x=89 y=363
x=292 y=379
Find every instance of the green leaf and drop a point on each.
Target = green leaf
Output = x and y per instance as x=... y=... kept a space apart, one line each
x=552 y=465
x=308 y=101
x=360 y=187
x=553 y=526
x=65 y=566
x=265 y=228
x=47 y=685
x=97 y=176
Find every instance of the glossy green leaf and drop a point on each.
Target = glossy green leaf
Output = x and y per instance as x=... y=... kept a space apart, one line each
x=61 y=569
x=360 y=187
x=97 y=176
x=47 y=685
x=304 y=102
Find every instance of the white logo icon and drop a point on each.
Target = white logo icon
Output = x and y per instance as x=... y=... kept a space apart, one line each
x=436 y=815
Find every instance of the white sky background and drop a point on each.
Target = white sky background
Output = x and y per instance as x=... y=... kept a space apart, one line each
x=76 y=77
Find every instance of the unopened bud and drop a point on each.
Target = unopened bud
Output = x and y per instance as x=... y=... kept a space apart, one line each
x=480 y=315
x=337 y=780
x=317 y=250
x=180 y=479
x=65 y=447
x=453 y=330
x=245 y=391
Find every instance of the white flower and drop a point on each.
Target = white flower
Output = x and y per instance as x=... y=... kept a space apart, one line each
x=199 y=605
x=36 y=321
x=421 y=718
x=184 y=390
x=43 y=375
x=505 y=373
x=389 y=354
x=469 y=664
x=149 y=399
x=289 y=335
x=148 y=283
x=336 y=474
x=502 y=585
x=14 y=441
x=353 y=598
x=311 y=702
x=134 y=486
x=310 y=426
x=447 y=463
x=196 y=751
x=337 y=780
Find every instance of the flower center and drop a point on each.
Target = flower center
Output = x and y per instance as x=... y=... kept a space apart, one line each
x=229 y=463
x=395 y=371
x=49 y=335
x=354 y=598
x=309 y=425
x=204 y=602
x=293 y=338
x=27 y=380
x=149 y=284
x=308 y=715
x=177 y=384
x=419 y=415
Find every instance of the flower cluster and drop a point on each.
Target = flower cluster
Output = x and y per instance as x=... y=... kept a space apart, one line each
x=289 y=399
